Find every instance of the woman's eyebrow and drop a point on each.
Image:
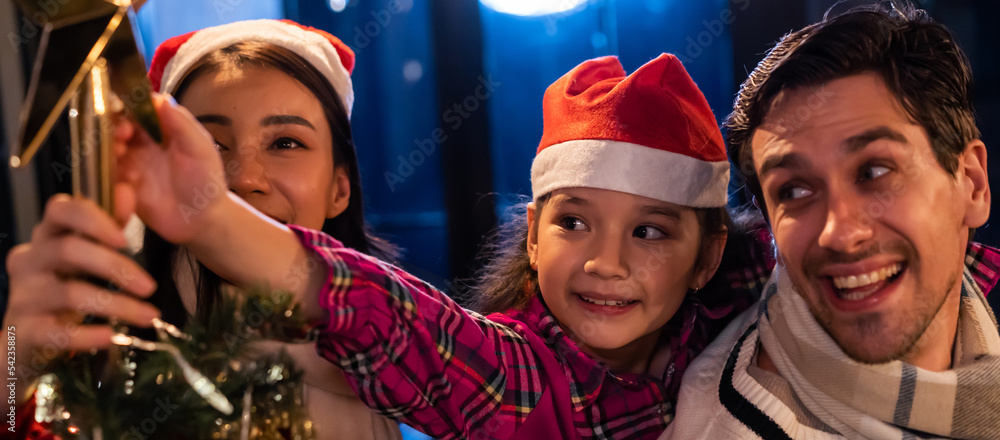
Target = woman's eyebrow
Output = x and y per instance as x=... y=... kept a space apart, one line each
x=285 y=119
x=214 y=119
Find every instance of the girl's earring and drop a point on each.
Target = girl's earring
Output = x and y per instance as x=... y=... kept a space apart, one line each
x=694 y=290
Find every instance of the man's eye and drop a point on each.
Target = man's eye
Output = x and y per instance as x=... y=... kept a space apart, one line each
x=647 y=232
x=872 y=172
x=573 y=224
x=286 y=144
x=793 y=193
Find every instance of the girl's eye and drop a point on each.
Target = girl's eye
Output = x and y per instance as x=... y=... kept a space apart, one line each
x=286 y=144
x=872 y=172
x=220 y=147
x=793 y=192
x=647 y=232
x=572 y=224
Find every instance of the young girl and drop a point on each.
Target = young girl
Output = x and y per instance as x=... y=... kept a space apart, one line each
x=276 y=98
x=628 y=219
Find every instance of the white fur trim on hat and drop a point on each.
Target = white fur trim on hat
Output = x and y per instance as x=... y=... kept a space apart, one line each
x=316 y=50
x=633 y=169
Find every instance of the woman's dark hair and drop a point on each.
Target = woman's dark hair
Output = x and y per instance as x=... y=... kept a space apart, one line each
x=507 y=281
x=917 y=58
x=349 y=227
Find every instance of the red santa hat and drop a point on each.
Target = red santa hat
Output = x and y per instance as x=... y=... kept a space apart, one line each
x=651 y=134
x=330 y=56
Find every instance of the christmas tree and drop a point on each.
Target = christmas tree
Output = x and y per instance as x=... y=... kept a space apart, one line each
x=207 y=381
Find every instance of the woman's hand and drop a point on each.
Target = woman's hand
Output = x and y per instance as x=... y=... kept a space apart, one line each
x=179 y=185
x=49 y=296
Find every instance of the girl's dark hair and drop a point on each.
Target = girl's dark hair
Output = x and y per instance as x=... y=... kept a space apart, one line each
x=349 y=227
x=507 y=280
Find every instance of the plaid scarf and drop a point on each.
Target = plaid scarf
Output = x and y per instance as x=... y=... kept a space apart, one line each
x=893 y=400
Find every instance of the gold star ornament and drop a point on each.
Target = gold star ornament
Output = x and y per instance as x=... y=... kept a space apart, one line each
x=88 y=60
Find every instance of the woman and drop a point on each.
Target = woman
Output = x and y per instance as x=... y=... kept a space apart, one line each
x=276 y=99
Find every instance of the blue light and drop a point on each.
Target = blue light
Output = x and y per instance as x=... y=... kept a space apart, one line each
x=337 y=5
x=532 y=8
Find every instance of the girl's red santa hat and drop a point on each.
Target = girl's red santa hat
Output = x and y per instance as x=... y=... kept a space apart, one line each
x=651 y=134
x=326 y=53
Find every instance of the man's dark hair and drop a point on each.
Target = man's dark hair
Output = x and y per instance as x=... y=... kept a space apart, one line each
x=918 y=59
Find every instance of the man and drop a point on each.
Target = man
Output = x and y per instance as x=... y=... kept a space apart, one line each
x=857 y=140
